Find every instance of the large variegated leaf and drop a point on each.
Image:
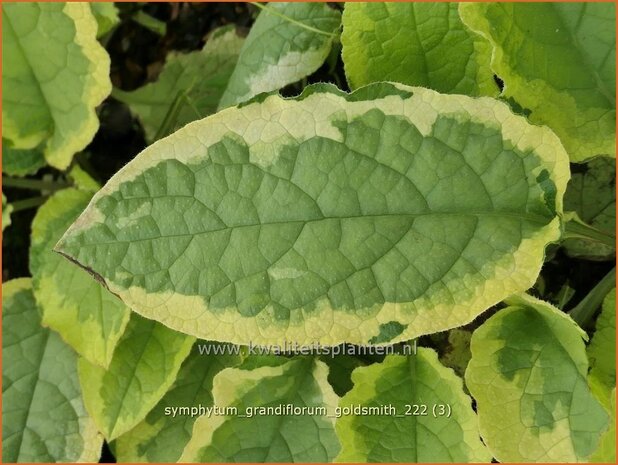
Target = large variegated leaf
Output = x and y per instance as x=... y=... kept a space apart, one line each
x=54 y=74
x=370 y=217
x=86 y=315
x=189 y=86
x=559 y=61
x=164 y=433
x=43 y=415
x=528 y=376
x=243 y=430
x=287 y=42
x=606 y=452
x=420 y=44
x=143 y=368
x=428 y=417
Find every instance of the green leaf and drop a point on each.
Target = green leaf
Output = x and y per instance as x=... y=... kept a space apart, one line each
x=420 y=44
x=162 y=436
x=457 y=354
x=418 y=388
x=21 y=162
x=44 y=98
x=189 y=86
x=254 y=436
x=143 y=368
x=287 y=42
x=6 y=213
x=340 y=368
x=371 y=217
x=82 y=180
x=606 y=452
x=602 y=351
x=106 y=15
x=559 y=61
x=528 y=376
x=87 y=316
x=43 y=417
x=591 y=193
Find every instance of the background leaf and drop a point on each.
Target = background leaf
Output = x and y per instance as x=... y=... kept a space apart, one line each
x=268 y=382
x=591 y=193
x=144 y=366
x=43 y=417
x=287 y=42
x=162 y=437
x=419 y=44
x=403 y=382
x=87 y=316
x=189 y=86
x=528 y=377
x=43 y=99
x=558 y=60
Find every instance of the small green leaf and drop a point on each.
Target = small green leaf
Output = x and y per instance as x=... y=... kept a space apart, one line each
x=106 y=15
x=189 y=86
x=21 y=162
x=432 y=418
x=592 y=195
x=287 y=42
x=82 y=180
x=419 y=44
x=86 y=315
x=559 y=61
x=44 y=98
x=6 y=213
x=144 y=366
x=43 y=417
x=457 y=353
x=375 y=216
x=602 y=351
x=163 y=434
x=250 y=435
x=528 y=376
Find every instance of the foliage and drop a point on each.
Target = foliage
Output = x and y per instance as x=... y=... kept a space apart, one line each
x=268 y=246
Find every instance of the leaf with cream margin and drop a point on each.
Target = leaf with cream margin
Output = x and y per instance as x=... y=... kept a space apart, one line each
x=43 y=416
x=371 y=217
x=253 y=435
x=528 y=377
x=409 y=434
x=50 y=93
x=143 y=368
x=602 y=352
x=189 y=86
x=287 y=42
x=87 y=316
x=163 y=434
x=419 y=44
x=591 y=193
x=559 y=61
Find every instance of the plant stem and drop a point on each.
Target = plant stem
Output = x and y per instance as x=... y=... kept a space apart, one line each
x=292 y=20
x=33 y=184
x=28 y=203
x=575 y=229
x=583 y=312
